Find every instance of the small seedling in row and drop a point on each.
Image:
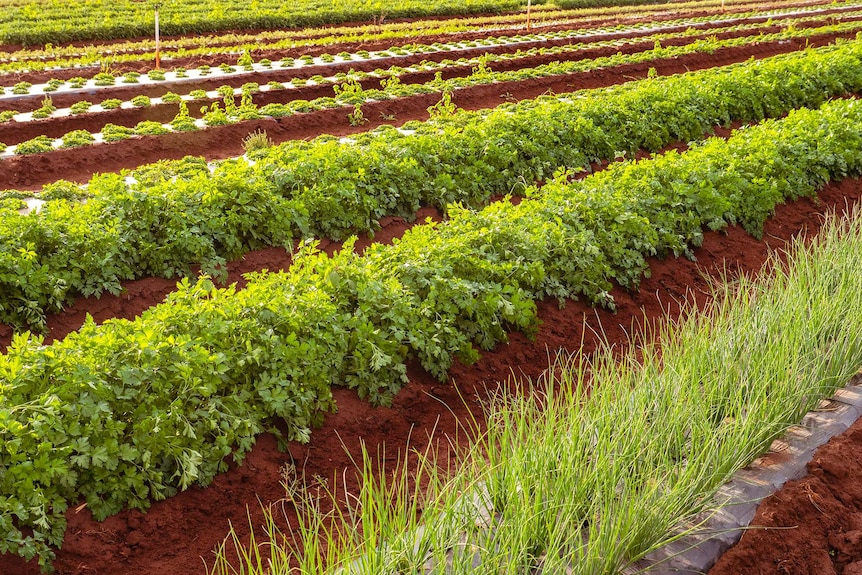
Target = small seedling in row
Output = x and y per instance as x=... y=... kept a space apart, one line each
x=245 y=60
x=104 y=79
x=356 y=117
x=37 y=145
x=171 y=98
x=77 y=139
x=114 y=133
x=81 y=107
x=256 y=141
x=141 y=101
x=46 y=109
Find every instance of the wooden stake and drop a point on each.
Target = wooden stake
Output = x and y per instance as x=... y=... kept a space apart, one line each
x=158 y=56
x=529 y=2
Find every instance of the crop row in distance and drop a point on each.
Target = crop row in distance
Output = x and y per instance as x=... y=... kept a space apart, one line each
x=46 y=23
x=23 y=62
x=327 y=188
x=234 y=75
x=351 y=92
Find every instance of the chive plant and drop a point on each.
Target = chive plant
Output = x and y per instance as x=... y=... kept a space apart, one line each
x=610 y=454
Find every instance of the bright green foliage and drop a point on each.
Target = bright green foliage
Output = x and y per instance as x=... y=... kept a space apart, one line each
x=22 y=88
x=104 y=79
x=53 y=85
x=171 y=98
x=326 y=188
x=36 y=145
x=113 y=132
x=150 y=128
x=81 y=107
x=111 y=103
x=141 y=101
x=183 y=122
x=130 y=411
x=46 y=109
x=77 y=138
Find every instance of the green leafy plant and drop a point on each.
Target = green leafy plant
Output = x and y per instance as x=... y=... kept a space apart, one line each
x=104 y=79
x=131 y=77
x=445 y=108
x=150 y=128
x=214 y=115
x=53 y=85
x=247 y=109
x=62 y=190
x=183 y=122
x=81 y=107
x=171 y=98
x=198 y=94
x=37 y=145
x=77 y=82
x=276 y=110
x=77 y=138
x=349 y=92
x=256 y=141
x=141 y=101
x=115 y=133
x=245 y=61
x=7 y=115
x=356 y=117
x=111 y=104
x=157 y=75
x=46 y=109
x=180 y=72
x=22 y=88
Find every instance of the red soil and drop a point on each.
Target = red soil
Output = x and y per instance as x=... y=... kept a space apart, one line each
x=171 y=537
x=811 y=526
x=79 y=164
x=515 y=26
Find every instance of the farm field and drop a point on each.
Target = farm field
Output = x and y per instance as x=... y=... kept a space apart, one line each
x=400 y=203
